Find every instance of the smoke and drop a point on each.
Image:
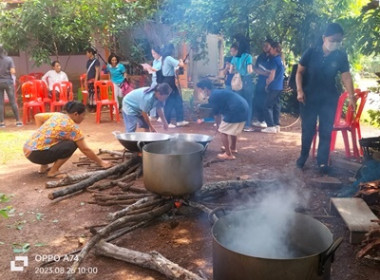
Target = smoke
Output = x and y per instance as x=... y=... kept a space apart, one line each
x=264 y=229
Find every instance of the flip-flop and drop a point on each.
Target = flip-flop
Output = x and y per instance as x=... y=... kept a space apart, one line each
x=58 y=175
x=223 y=149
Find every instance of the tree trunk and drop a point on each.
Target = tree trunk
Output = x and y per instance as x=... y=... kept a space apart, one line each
x=91 y=180
x=152 y=260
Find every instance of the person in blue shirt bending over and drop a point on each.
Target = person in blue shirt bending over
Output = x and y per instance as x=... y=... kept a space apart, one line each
x=232 y=108
x=138 y=103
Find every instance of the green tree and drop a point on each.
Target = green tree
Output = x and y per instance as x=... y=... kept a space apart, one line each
x=48 y=27
x=295 y=23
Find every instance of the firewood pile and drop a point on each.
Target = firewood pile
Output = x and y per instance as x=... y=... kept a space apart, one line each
x=370 y=193
x=139 y=209
x=371 y=244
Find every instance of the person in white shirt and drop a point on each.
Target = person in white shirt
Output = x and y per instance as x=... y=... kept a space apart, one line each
x=54 y=76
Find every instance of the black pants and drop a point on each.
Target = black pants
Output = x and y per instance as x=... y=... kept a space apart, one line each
x=9 y=89
x=174 y=101
x=61 y=150
x=322 y=108
x=272 y=108
x=259 y=103
x=247 y=93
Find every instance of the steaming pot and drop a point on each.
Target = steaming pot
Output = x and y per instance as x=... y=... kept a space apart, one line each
x=309 y=236
x=173 y=168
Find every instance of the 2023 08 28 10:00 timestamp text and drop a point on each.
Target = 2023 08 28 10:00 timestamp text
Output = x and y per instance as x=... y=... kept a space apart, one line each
x=65 y=270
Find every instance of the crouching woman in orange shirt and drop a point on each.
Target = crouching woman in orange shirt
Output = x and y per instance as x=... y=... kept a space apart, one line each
x=57 y=138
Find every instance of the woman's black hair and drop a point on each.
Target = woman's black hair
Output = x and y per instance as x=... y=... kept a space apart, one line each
x=167 y=51
x=72 y=107
x=2 y=51
x=235 y=46
x=332 y=29
x=163 y=89
x=54 y=62
x=91 y=50
x=276 y=46
x=205 y=83
x=112 y=55
x=157 y=49
x=243 y=44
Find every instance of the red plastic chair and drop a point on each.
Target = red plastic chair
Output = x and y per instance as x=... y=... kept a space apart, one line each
x=25 y=78
x=43 y=92
x=104 y=96
x=30 y=100
x=62 y=93
x=37 y=75
x=351 y=122
x=83 y=88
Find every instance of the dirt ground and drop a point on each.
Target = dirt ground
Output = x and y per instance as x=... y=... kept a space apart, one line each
x=54 y=228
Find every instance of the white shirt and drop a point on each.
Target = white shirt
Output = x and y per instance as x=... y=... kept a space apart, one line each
x=51 y=77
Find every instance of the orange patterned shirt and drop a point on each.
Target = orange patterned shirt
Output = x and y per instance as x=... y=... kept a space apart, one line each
x=56 y=128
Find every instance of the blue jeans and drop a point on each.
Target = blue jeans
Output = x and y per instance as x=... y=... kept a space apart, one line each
x=247 y=93
x=174 y=102
x=9 y=89
x=322 y=108
x=273 y=108
x=131 y=122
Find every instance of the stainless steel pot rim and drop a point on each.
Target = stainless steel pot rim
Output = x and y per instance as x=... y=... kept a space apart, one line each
x=143 y=136
x=192 y=137
x=273 y=259
x=200 y=148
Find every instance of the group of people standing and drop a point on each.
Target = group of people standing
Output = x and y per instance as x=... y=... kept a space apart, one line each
x=263 y=101
x=160 y=99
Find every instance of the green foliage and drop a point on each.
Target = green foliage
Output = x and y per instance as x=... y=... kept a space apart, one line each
x=294 y=23
x=50 y=27
x=5 y=210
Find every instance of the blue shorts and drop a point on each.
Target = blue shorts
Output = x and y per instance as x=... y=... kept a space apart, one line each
x=131 y=122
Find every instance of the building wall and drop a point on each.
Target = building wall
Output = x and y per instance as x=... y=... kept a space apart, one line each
x=72 y=65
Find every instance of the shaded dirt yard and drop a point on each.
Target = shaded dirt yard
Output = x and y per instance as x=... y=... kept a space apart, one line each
x=55 y=228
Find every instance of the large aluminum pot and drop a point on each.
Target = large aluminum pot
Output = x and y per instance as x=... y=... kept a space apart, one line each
x=173 y=168
x=134 y=141
x=192 y=137
x=311 y=241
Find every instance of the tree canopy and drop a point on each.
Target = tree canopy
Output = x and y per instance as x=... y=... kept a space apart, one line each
x=49 y=27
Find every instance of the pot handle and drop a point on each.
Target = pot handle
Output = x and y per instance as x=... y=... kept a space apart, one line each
x=140 y=144
x=323 y=258
x=213 y=216
x=116 y=133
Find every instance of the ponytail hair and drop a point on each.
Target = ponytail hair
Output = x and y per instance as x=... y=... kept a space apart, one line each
x=72 y=107
x=2 y=51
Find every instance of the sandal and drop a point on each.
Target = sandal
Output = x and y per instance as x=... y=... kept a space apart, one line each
x=43 y=171
x=225 y=156
x=222 y=148
x=57 y=175
x=19 y=124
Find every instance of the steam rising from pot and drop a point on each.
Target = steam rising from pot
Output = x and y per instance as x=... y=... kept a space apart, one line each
x=265 y=232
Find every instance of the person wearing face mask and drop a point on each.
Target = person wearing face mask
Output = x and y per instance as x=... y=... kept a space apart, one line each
x=318 y=94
